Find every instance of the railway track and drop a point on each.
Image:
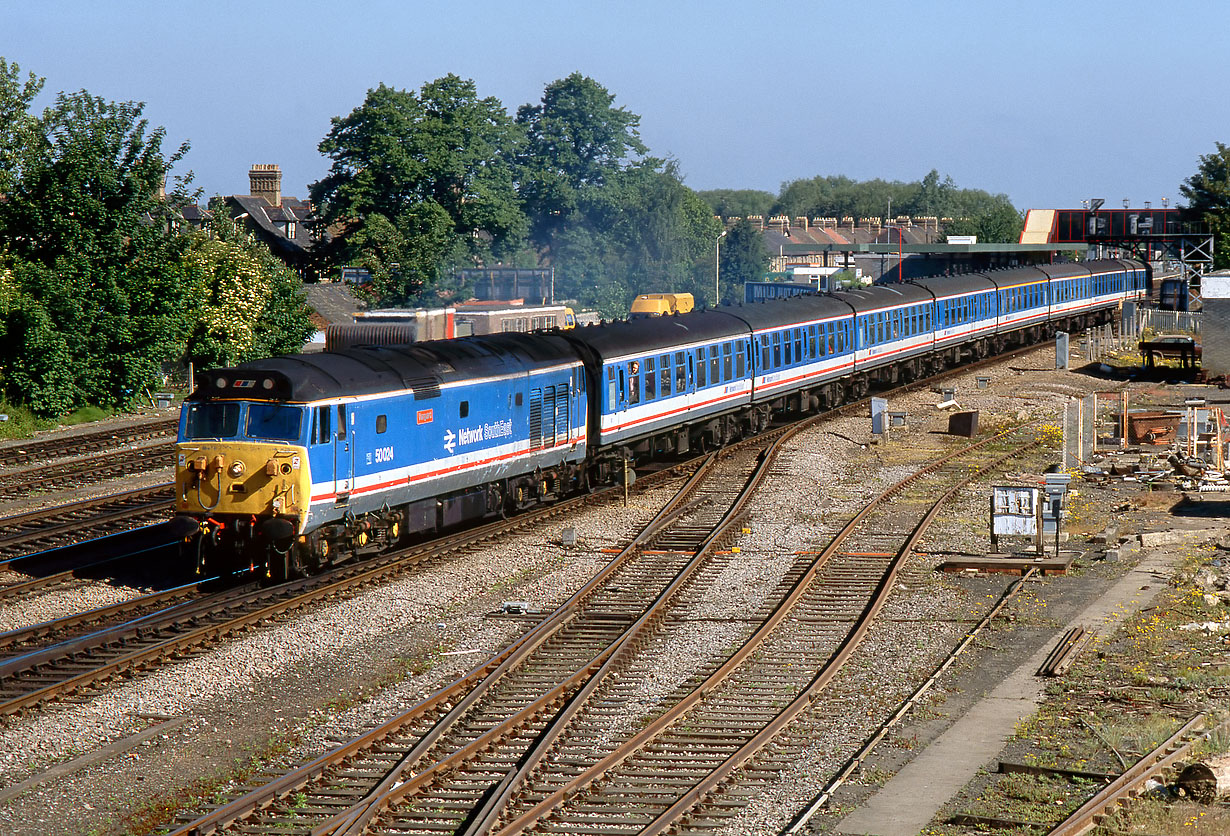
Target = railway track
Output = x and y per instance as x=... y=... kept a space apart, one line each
x=56 y=661
x=82 y=472
x=537 y=738
x=63 y=525
x=24 y=452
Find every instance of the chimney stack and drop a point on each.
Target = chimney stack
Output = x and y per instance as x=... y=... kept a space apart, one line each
x=265 y=180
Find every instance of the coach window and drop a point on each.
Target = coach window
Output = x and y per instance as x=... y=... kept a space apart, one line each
x=764 y=352
x=341 y=422
x=664 y=372
x=382 y=424
x=700 y=368
x=787 y=354
x=612 y=393
x=740 y=360
x=715 y=372
x=727 y=362
x=777 y=349
x=798 y=344
x=651 y=379
x=634 y=383
x=681 y=373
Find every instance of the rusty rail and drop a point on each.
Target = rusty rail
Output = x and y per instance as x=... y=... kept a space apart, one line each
x=1127 y=785
x=671 y=816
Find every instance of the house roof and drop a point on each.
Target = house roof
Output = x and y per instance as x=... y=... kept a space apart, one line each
x=334 y=302
x=274 y=222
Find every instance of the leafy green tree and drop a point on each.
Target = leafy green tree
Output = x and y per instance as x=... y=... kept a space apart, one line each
x=731 y=203
x=575 y=140
x=244 y=303
x=645 y=231
x=994 y=222
x=86 y=240
x=17 y=127
x=744 y=258
x=416 y=175
x=1207 y=193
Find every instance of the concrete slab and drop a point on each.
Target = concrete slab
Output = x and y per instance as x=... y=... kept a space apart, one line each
x=910 y=799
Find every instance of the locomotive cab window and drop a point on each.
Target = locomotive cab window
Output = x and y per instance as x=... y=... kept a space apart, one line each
x=274 y=421
x=213 y=420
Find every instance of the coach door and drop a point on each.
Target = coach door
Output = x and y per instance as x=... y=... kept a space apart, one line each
x=343 y=457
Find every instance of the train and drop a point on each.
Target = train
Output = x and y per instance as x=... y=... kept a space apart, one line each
x=289 y=465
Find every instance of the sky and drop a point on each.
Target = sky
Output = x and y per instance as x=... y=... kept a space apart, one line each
x=1049 y=102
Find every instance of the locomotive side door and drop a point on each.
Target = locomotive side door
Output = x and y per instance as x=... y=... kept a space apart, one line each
x=343 y=457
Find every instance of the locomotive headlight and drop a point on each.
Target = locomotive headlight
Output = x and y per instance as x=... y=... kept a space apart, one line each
x=235 y=470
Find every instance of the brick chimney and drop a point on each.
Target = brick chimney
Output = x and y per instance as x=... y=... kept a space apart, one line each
x=265 y=180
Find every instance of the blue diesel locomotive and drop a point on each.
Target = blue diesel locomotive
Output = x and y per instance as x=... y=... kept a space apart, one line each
x=291 y=464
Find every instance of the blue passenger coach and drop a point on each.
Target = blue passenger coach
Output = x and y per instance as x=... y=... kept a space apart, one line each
x=659 y=373
x=800 y=347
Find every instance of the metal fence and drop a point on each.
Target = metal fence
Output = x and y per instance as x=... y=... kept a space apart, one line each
x=1168 y=322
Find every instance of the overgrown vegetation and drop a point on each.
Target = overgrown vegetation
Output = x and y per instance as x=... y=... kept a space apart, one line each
x=1125 y=695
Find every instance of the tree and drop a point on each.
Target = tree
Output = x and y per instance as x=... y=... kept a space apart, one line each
x=100 y=291
x=993 y=221
x=730 y=203
x=1207 y=193
x=644 y=231
x=417 y=178
x=17 y=126
x=87 y=241
x=245 y=303
x=743 y=258
x=574 y=140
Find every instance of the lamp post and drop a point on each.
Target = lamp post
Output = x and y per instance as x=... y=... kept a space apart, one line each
x=717 y=269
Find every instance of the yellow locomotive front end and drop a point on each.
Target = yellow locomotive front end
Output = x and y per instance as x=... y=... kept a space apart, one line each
x=242 y=485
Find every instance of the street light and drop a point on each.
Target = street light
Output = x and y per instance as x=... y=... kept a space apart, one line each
x=717 y=269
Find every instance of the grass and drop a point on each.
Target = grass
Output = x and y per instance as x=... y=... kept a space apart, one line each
x=22 y=423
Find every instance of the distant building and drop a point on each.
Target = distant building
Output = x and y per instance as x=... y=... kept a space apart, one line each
x=284 y=223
